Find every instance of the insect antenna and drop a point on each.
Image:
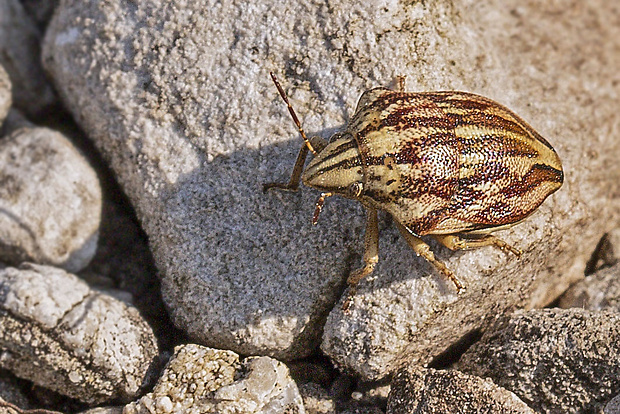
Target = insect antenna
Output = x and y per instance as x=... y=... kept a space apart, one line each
x=293 y=114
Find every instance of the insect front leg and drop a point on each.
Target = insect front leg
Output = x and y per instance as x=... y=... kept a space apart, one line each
x=424 y=250
x=293 y=184
x=455 y=242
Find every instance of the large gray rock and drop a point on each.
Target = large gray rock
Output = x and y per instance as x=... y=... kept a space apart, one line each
x=425 y=391
x=64 y=336
x=50 y=201
x=178 y=99
x=555 y=360
x=210 y=381
x=20 y=54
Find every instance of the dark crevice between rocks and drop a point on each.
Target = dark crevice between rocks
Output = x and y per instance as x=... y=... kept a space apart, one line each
x=454 y=352
x=603 y=256
x=46 y=399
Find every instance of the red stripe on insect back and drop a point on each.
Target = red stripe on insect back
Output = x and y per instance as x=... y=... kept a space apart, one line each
x=537 y=175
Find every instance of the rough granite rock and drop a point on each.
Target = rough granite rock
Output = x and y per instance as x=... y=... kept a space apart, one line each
x=104 y=410
x=598 y=291
x=5 y=94
x=555 y=360
x=204 y=380
x=613 y=406
x=20 y=54
x=316 y=399
x=50 y=201
x=178 y=98
x=362 y=410
x=62 y=335
x=425 y=390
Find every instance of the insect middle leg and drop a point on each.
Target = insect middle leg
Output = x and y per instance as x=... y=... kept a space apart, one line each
x=455 y=242
x=424 y=250
x=371 y=254
x=371 y=249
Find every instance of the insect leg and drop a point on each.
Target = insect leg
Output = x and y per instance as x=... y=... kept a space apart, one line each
x=371 y=254
x=454 y=242
x=424 y=250
x=371 y=249
x=293 y=183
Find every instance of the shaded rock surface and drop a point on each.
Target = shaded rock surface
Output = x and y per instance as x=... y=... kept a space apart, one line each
x=14 y=120
x=426 y=390
x=11 y=392
x=40 y=11
x=192 y=127
x=596 y=292
x=63 y=336
x=20 y=54
x=124 y=263
x=204 y=380
x=363 y=410
x=50 y=201
x=555 y=360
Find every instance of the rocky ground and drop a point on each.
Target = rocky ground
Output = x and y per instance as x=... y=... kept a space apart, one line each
x=144 y=270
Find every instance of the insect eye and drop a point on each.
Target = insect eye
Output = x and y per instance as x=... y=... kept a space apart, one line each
x=355 y=189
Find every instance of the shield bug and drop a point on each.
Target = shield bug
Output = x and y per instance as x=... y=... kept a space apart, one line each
x=452 y=165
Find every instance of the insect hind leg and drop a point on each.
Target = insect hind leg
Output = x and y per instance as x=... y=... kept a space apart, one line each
x=456 y=242
x=424 y=250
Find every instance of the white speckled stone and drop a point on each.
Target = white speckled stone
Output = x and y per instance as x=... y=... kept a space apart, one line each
x=50 y=201
x=199 y=380
x=62 y=335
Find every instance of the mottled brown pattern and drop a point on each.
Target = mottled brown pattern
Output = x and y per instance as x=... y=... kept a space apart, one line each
x=438 y=187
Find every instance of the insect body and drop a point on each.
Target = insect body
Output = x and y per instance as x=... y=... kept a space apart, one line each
x=453 y=165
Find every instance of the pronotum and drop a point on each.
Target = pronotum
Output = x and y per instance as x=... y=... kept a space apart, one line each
x=453 y=165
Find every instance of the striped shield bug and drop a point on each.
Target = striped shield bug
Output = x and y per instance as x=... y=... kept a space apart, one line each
x=452 y=165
